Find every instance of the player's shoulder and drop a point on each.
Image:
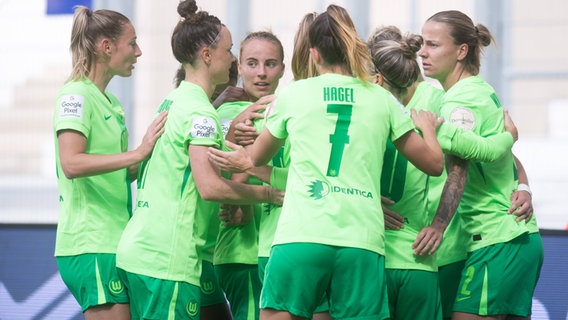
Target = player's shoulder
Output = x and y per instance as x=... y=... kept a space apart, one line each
x=82 y=87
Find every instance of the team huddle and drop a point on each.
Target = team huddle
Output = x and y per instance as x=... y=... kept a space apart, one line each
x=357 y=191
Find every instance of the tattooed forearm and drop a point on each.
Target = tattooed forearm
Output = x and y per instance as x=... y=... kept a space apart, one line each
x=453 y=190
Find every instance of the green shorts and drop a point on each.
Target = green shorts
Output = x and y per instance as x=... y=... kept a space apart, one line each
x=211 y=292
x=152 y=298
x=449 y=277
x=262 y=261
x=299 y=276
x=242 y=286
x=92 y=278
x=500 y=279
x=535 y=241
x=413 y=294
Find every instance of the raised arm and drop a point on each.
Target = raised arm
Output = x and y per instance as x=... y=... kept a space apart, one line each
x=424 y=153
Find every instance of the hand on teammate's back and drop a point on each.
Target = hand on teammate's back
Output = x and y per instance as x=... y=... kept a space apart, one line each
x=393 y=220
x=425 y=120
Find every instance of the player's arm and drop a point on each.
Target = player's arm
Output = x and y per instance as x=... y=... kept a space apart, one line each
x=470 y=146
x=429 y=238
x=236 y=215
x=521 y=199
x=212 y=187
x=265 y=148
x=424 y=153
x=241 y=130
x=76 y=162
x=393 y=220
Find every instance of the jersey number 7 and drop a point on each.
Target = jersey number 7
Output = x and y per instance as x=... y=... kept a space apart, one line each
x=340 y=137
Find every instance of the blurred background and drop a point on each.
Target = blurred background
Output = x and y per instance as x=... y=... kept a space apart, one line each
x=527 y=68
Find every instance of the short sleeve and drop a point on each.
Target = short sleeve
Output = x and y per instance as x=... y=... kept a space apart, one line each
x=205 y=130
x=73 y=111
x=399 y=119
x=276 y=119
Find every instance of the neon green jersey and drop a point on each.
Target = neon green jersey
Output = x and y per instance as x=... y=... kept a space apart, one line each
x=465 y=144
x=428 y=97
x=271 y=212
x=167 y=233
x=454 y=140
x=471 y=104
x=403 y=183
x=407 y=186
x=338 y=127
x=94 y=210
x=228 y=111
x=237 y=244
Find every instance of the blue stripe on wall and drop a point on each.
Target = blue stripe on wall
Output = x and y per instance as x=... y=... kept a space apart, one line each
x=65 y=6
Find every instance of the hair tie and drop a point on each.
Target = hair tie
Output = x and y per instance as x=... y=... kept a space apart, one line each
x=476 y=30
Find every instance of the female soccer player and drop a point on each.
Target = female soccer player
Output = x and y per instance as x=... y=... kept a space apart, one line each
x=413 y=280
x=94 y=168
x=502 y=267
x=178 y=188
x=261 y=65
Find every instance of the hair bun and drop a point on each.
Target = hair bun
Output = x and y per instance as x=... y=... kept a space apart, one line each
x=414 y=42
x=187 y=8
x=483 y=34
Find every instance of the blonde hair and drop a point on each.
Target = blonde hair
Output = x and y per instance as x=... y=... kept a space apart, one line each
x=302 y=66
x=333 y=34
x=89 y=27
x=266 y=36
x=385 y=33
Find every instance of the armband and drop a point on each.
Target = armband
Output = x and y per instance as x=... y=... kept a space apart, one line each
x=524 y=187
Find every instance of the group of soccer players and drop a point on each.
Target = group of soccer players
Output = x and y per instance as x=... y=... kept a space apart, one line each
x=334 y=202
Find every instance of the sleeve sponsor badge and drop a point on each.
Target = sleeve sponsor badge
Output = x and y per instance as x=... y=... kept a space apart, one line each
x=463 y=118
x=71 y=106
x=203 y=127
x=225 y=125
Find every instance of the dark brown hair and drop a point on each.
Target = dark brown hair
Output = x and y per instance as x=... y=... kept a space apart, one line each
x=194 y=31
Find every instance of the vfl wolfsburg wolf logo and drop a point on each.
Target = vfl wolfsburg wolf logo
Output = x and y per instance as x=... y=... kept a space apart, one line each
x=207 y=287
x=192 y=308
x=115 y=286
x=318 y=189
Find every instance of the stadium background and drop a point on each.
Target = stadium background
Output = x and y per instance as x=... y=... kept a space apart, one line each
x=528 y=69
